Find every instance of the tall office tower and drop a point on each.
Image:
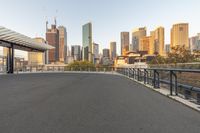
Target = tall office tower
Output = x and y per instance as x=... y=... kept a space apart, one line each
x=52 y=37
x=137 y=34
x=167 y=48
x=106 y=53
x=157 y=41
x=62 y=44
x=145 y=44
x=95 y=50
x=124 y=42
x=194 y=42
x=87 y=42
x=37 y=58
x=180 y=35
x=76 y=52
x=113 y=50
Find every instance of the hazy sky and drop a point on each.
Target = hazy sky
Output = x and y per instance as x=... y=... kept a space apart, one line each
x=109 y=17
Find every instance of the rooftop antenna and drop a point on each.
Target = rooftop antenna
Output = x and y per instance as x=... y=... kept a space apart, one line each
x=55 y=18
x=55 y=21
x=46 y=18
x=47 y=25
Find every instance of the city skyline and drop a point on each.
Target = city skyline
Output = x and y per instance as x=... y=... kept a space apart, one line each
x=153 y=15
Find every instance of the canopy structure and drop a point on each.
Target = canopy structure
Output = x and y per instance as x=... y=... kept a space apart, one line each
x=13 y=40
x=21 y=42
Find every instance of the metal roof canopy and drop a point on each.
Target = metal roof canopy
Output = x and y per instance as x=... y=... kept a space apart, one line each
x=21 y=42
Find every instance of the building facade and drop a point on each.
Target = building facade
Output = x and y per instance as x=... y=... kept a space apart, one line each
x=145 y=44
x=167 y=48
x=87 y=42
x=124 y=42
x=36 y=58
x=180 y=35
x=95 y=50
x=52 y=37
x=62 y=44
x=194 y=43
x=137 y=34
x=157 y=41
x=113 y=50
x=106 y=53
x=76 y=52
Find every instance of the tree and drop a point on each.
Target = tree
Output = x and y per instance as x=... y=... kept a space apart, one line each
x=158 y=60
x=180 y=54
x=80 y=65
x=197 y=55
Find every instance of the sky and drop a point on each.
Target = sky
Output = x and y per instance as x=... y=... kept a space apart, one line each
x=109 y=17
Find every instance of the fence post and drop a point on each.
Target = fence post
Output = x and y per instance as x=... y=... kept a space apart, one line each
x=176 y=85
x=154 y=78
x=138 y=73
x=133 y=75
x=145 y=74
x=171 y=84
x=158 y=79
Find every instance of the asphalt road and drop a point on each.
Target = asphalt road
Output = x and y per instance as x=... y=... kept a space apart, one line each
x=88 y=103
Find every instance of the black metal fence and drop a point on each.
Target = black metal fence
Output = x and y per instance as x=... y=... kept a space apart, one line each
x=172 y=79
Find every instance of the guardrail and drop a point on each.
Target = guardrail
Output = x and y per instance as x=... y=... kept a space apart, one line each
x=167 y=78
x=64 y=69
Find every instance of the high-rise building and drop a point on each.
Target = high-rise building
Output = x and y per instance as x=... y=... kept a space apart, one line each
x=95 y=50
x=157 y=41
x=180 y=35
x=113 y=50
x=167 y=48
x=194 y=42
x=62 y=44
x=52 y=37
x=76 y=52
x=37 y=58
x=87 y=42
x=145 y=44
x=137 y=34
x=124 y=42
x=106 y=53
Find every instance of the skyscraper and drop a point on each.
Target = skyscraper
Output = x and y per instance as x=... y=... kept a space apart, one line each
x=157 y=41
x=124 y=42
x=62 y=43
x=180 y=35
x=195 y=42
x=87 y=42
x=52 y=37
x=106 y=53
x=113 y=50
x=95 y=50
x=137 y=34
x=76 y=52
x=167 y=48
x=145 y=44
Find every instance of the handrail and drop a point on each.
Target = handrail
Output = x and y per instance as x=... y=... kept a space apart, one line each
x=152 y=76
x=175 y=70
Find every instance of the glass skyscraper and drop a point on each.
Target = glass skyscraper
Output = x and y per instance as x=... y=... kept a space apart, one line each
x=87 y=42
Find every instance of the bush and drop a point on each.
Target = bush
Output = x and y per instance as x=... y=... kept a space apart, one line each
x=80 y=65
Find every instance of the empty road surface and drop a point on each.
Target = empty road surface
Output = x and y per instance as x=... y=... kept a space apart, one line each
x=88 y=103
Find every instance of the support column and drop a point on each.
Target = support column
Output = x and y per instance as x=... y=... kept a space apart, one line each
x=10 y=60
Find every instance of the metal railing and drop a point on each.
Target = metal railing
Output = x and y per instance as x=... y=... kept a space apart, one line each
x=172 y=79
x=63 y=69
